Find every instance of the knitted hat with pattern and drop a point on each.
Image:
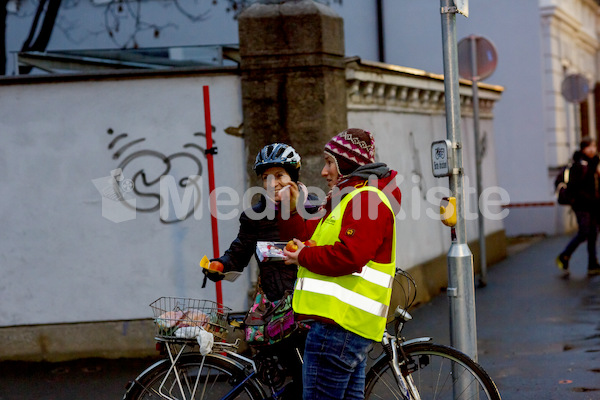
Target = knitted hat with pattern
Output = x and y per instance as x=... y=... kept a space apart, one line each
x=351 y=149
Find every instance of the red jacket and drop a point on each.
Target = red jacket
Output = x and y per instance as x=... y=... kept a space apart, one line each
x=361 y=239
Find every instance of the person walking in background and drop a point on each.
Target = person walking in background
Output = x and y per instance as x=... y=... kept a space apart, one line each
x=584 y=187
x=345 y=281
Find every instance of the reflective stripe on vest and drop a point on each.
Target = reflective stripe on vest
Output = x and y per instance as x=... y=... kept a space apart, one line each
x=358 y=302
x=347 y=296
x=374 y=276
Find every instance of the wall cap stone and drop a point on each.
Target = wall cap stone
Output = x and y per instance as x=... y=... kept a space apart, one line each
x=293 y=27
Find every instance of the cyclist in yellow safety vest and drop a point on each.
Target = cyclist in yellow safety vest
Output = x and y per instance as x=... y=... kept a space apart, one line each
x=344 y=282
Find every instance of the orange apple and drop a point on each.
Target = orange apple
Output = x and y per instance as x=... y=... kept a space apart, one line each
x=291 y=246
x=310 y=243
x=215 y=266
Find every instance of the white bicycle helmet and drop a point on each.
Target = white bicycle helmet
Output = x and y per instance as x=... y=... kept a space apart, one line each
x=278 y=155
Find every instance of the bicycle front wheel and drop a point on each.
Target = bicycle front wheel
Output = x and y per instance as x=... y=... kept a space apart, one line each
x=195 y=377
x=438 y=373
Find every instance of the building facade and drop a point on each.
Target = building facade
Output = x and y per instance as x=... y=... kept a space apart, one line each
x=539 y=43
x=108 y=202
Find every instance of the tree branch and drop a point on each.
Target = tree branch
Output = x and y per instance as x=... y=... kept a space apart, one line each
x=34 y=26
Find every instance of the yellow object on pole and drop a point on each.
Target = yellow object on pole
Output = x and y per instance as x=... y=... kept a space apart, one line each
x=448 y=211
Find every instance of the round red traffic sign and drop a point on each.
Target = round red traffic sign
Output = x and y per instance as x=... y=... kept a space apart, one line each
x=575 y=88
x=485 y=55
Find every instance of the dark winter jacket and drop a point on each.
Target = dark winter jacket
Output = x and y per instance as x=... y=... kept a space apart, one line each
x=583 y=183
x=275 y=277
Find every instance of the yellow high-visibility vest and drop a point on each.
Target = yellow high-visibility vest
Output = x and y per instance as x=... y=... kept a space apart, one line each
x=358 y=302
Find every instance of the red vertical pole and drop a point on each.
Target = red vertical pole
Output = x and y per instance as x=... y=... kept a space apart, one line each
x=211 y=184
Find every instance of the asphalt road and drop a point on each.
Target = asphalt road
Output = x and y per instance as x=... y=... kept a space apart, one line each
x=538 y=337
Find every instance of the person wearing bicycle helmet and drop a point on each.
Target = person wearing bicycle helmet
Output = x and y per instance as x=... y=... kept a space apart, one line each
x=344 y=283
x=278 y=165
x=274 y=218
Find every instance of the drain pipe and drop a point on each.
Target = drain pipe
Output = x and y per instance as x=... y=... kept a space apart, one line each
x=380 y=31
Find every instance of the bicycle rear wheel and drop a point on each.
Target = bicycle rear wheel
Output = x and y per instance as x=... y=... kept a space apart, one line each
x=437 y=372
x=212 y=379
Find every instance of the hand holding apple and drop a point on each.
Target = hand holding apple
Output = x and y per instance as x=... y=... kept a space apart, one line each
x=291 y=246
x=213 y=271
x=292 y=256
x=216 y=266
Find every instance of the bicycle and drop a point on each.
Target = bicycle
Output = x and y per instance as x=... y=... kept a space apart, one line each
x=415 y=369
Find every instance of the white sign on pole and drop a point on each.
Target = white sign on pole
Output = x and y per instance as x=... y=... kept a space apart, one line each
x=441 y=162
x=462 y=6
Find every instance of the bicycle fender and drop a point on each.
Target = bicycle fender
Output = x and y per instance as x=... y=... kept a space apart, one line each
x=133 y=382
x=424 y=339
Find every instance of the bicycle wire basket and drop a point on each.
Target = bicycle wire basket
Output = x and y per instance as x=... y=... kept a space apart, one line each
x=174 y=313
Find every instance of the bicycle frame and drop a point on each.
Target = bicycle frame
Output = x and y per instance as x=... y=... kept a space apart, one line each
x=233 y=393
x=396 y=368
x=389 y=343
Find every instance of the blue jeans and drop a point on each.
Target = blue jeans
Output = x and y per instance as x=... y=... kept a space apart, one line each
x=587 y=231
x=334 y=363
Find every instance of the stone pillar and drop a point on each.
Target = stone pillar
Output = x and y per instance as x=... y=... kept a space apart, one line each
x=293 y=79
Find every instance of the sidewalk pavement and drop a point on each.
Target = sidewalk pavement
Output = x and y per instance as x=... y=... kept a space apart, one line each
x=538 y=337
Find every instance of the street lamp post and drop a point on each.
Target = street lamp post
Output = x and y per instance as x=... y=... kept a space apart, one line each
x=461 y=289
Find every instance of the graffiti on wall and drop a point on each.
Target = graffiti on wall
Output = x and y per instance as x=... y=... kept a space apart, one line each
x=417 y=173
x=145 y=167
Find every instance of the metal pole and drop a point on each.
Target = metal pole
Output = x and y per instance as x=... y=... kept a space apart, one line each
x=568 y=131
x=461 y=289
x=578 y=129
x=478 y=156
x=210 y=151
